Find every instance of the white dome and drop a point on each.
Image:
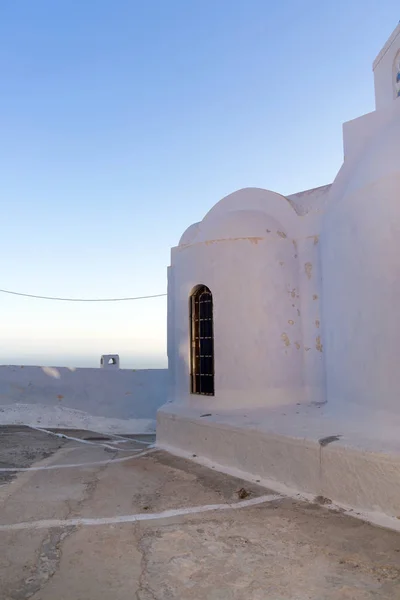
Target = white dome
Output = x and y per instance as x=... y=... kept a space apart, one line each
x=189 y=234
x=247 y=213
x=239 y=224
x=269 y=203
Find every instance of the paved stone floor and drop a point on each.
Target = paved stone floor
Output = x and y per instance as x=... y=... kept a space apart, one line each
x=72 y=532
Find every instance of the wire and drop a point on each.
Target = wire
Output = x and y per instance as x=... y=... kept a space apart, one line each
x=80 y=299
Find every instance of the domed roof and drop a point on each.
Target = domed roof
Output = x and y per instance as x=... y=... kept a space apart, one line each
x=247 y=213
x=239 y=224
x=189 y=235
x=265 y=201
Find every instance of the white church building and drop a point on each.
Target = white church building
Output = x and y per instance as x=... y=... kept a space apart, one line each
x=284 y=325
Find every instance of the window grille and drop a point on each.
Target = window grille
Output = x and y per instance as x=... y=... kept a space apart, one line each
x=202 y=342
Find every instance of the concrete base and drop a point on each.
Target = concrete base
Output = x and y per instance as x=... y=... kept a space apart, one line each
x=295 y=450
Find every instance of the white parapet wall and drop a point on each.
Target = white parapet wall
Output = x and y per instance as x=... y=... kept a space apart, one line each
x=104 y=400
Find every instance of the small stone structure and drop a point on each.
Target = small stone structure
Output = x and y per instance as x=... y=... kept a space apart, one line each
x=284 y=328
x=109 y=361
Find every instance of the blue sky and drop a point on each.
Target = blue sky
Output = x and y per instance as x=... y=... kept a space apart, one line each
x=122 y=122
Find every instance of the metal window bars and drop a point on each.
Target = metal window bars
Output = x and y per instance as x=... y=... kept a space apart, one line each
x=202 y=342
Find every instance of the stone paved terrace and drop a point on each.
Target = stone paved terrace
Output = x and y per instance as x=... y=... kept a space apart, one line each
x=126 y=521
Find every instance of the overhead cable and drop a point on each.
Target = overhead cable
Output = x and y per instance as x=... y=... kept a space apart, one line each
x=81 y=299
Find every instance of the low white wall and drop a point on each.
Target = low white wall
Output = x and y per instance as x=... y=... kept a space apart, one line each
x=120 y=401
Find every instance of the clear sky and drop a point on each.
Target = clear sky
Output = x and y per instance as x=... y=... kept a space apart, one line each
x=122 y=122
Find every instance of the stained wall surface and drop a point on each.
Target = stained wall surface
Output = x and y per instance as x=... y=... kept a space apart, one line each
x=260 y=261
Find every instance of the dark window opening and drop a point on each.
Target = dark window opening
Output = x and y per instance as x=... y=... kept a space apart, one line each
x=202 y=342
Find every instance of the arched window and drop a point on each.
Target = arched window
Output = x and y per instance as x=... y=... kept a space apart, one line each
x=202 y=342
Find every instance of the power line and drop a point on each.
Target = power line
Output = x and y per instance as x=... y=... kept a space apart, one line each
x=80 y=299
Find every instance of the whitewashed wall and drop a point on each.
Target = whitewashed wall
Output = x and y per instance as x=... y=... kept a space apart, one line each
x=120 y=401
x=384 y=71
x=260 y=260
x=361 y=277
